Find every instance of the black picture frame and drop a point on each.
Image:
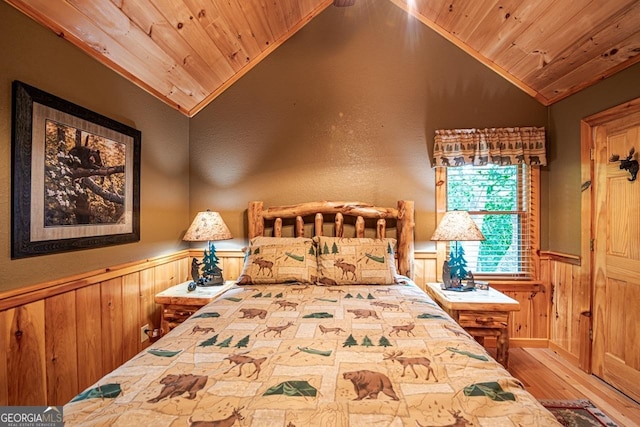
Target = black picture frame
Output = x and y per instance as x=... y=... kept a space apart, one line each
x=55 y=189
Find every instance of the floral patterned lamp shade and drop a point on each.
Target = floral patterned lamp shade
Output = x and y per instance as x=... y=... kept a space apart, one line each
x=457 y=226
x=207 y=226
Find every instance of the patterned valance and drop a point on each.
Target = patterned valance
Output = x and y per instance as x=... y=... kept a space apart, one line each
x=502 y=146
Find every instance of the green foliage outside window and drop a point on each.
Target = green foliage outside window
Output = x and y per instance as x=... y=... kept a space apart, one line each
x=481 y=191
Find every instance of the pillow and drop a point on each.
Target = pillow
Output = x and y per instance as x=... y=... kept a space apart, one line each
x=348 y=261
x=279 y=263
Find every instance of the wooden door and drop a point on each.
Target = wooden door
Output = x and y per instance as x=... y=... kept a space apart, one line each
x=616 y=257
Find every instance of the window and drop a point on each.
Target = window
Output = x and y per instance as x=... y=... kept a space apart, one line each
x=503 y=201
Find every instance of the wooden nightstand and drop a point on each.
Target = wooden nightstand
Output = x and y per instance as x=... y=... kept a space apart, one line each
x=481 y=313
x=178 y=303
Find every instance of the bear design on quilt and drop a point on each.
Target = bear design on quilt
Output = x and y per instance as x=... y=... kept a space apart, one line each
x=177 y=385
x=369 y=383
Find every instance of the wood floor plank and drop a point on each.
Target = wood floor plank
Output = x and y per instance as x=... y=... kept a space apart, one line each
x=548 y=376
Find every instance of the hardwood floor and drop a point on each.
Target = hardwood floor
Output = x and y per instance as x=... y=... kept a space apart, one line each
x=547 y=376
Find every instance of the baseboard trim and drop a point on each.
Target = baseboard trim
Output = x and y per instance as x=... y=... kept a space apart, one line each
x=520 y=342
x=567 y=356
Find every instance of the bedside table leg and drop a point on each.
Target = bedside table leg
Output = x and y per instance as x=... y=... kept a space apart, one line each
x=502 y=347
x=164 y=324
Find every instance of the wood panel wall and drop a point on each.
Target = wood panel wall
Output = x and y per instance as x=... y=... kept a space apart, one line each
x=58 y=338
x=570 y=316
x=529 y=327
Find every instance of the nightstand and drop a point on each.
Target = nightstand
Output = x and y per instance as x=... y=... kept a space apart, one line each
x=178 y=303
x=481 y=313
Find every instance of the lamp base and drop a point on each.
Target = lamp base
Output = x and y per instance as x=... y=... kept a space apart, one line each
x=213 y=280
x=454 y=283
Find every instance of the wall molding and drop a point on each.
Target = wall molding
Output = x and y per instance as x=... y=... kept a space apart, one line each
x=561 y=257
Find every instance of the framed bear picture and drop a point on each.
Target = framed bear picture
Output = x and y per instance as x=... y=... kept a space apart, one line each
x=75 y=176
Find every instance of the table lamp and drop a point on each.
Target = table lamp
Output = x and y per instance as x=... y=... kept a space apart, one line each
x=456 y=226
x=207 y=226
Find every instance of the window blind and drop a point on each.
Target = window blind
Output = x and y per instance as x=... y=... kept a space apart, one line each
x=499 y=199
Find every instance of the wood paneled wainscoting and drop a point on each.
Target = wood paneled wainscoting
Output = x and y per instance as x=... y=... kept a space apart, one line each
x=58 y=338
x=529 y=327
x=570 y=316
x=554 y=311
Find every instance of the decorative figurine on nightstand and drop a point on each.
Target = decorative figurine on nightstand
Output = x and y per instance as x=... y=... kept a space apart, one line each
x=454 y=283
x=195 y=269
x=191 y=286
x=211 y=271
x=195 y=275
x=207 y=226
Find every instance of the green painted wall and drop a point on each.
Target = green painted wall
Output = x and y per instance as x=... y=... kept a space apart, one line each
x=346 y=109
x=38 y=57
x=564 y=173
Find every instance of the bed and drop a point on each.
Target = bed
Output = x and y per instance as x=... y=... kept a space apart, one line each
x=324 y=327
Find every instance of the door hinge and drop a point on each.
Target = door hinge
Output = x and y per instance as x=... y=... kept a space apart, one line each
x=591 y=154
x=590 y=334
x=591 y=244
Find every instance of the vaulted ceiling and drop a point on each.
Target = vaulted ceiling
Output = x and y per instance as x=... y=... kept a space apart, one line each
x=187 y=52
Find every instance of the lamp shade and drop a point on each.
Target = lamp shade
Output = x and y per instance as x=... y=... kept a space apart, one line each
x=458 y=226
x=207 y=226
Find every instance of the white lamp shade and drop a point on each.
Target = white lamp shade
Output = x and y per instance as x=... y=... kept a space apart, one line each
x=207 y=226
x=458 y=226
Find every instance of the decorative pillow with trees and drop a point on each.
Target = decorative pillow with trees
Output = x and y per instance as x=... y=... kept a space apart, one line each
x=348 y=261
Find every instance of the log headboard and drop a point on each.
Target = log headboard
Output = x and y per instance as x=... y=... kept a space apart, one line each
x=362 y=215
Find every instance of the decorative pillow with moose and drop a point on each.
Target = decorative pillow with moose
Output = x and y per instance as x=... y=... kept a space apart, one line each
x=284 y=262
x=348 y=261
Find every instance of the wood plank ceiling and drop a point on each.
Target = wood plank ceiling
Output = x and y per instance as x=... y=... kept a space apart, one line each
x=187 y=52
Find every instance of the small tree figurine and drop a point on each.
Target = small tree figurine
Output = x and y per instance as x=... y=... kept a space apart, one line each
x=457 y=262
x=211 y=272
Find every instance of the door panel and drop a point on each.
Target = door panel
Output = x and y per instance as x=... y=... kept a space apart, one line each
x=616 y=258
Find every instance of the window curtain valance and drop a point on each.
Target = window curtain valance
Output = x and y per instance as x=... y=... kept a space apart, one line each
x=501 y=146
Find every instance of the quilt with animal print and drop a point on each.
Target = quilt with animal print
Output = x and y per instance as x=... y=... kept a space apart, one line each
x=305 y=355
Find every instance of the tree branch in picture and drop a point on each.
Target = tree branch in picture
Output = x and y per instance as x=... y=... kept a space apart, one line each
x=83 y=173
x=99 y=191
